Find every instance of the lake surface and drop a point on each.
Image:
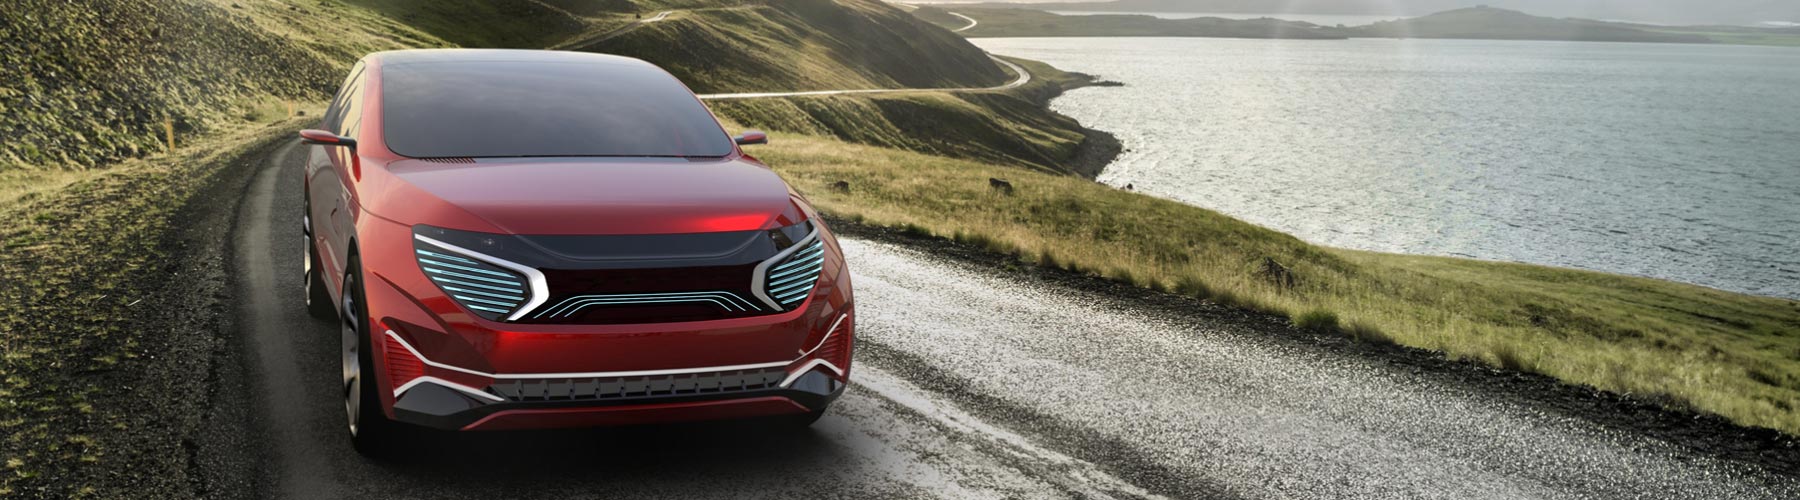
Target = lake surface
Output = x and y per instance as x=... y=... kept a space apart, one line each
x=1319 y=19
x=1672 y=161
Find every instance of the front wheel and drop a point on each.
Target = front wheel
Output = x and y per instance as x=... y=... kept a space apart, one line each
x=371 y=432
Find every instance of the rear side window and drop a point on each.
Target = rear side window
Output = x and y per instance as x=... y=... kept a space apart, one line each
x=334 y=114
x=515 y=109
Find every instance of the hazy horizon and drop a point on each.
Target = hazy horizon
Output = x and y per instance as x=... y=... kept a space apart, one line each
x=1743 y=12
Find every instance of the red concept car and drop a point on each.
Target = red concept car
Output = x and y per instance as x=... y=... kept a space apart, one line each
x=533 y=239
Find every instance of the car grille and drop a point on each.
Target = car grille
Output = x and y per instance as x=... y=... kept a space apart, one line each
x=624 y=279
x=608 y=388
x=726 y=302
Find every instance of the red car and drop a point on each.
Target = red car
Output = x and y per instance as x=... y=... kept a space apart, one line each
x=534 y=239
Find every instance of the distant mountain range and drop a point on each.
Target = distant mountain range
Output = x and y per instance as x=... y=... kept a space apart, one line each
x=1478 y=23
x=1684 y=12
x=1488 y=23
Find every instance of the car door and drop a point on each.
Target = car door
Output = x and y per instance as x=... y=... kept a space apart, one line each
x=325 y=189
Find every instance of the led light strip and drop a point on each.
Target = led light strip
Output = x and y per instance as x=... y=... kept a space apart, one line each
x=540 y=291
x=759 y=278
x=453 y=385
x=792 y=376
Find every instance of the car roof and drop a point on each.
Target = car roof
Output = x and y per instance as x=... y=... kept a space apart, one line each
x=494 y=56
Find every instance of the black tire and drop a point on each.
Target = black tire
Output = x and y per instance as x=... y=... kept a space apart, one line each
x=318 y=299
x=371 y=433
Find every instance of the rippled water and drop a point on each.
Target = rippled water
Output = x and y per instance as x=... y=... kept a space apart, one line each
x=1672 y=161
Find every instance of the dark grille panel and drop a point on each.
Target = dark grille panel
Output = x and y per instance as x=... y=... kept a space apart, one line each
x=727 y=302
x=606 y=388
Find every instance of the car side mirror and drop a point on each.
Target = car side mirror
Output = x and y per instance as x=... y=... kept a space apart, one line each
x=323 y=138
x=750 y=137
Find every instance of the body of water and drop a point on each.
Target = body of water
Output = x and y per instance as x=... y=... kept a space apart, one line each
x=1672 y=161
x=1319 y=19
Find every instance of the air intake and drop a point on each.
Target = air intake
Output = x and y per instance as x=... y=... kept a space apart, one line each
x=489 y=287
x=787 y=279
x=604 y=388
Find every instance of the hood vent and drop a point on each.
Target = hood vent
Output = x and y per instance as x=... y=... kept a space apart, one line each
x=449 y=160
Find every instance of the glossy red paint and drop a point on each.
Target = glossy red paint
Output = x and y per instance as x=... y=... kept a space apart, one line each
x=323 y=138
x=367 y=199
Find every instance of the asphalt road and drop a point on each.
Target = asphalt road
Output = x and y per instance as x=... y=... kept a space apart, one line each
x=972 y=22
x=975 y=382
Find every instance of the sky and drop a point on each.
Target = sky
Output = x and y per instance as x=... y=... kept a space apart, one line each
x=1651 y=11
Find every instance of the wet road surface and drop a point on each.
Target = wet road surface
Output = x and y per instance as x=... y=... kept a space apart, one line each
x=975 y=383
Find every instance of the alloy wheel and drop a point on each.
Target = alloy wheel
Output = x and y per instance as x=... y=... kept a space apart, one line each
x=352 y=358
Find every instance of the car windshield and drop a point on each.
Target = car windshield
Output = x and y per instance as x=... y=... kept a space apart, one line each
x=517 y=109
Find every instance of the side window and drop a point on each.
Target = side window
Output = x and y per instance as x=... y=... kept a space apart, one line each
x=350 y=119
x=334 y=114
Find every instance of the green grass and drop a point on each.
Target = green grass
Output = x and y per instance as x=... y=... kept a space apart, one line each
x=1688 y=346
x=82 y=87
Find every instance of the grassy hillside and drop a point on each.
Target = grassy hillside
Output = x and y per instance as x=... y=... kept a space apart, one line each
x=1682 y=345
x=86 y=83
x=782 y=45
x=863 y=44
x=486 y=23
x=1026 y=22
x=1009 y=127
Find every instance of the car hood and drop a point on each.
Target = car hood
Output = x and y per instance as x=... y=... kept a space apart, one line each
x=601 y=195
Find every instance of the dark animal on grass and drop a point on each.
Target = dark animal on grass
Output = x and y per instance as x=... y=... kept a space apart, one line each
x=1276 y=273
x=1000 y=185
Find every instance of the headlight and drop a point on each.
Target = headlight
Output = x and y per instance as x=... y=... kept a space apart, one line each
x=785 y=280
x=489 y=286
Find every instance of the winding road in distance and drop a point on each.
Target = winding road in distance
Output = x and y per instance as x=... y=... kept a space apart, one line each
x=971 y=20
x=973 y=382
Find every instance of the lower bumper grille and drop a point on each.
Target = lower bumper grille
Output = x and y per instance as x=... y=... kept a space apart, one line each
x=608 y=388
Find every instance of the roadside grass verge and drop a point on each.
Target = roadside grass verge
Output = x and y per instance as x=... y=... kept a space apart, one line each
x=85 y=392
x=1683 y=346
